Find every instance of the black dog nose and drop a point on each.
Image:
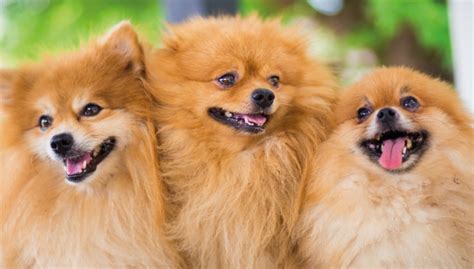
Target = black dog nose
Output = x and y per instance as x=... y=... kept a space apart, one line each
x=62 y=143
x=387 y=115
x=263 y=97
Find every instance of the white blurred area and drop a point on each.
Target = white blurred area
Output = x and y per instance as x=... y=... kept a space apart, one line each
x=327 y=7
x=461 y=20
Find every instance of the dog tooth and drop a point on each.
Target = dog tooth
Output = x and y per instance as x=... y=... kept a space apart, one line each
x=84 y=164
x=404 y=150
x=409 y=144
x=228 y=114
x=381 y=147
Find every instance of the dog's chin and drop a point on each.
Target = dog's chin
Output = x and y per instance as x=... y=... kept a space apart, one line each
x=80 y=165
x=245 y=123
x=396 y=151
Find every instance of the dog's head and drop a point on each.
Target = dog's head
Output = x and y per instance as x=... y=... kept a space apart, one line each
x=237 y=77
x=394 y=115
x=78 y=112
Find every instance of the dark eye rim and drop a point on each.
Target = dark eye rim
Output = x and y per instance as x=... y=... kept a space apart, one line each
x=223 y=85
x=406 y=98
x=85 y=112
x=369 y=111
x=273 y=77
x=50 y=122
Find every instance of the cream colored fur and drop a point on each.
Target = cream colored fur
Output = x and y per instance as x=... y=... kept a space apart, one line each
x=358 y=215
x=236 y=195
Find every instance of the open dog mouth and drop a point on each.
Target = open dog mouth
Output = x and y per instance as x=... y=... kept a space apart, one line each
x=392 y=149
x=79 y=165
x=251 y=123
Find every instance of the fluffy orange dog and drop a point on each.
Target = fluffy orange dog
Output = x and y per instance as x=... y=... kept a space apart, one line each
x=242 y=106
x=394 y=185
x=79 y=176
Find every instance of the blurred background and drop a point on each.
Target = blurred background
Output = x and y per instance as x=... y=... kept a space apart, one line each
x=352 y=36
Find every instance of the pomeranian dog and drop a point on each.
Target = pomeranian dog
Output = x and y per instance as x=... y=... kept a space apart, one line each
x=80 y=179
x=241 y=107
x=394 y=185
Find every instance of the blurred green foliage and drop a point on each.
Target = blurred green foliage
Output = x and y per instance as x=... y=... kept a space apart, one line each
x=271 y=8
x=33 y=27
x=382 y=20
x=428 y=19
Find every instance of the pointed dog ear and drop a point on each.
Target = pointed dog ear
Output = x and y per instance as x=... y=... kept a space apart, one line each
x=123 y=40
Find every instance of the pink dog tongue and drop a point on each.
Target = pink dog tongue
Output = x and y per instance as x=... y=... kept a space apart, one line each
x=75 y=166
x=392 y=153
x=257 y=119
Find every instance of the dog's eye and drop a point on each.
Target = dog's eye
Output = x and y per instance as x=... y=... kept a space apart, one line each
x=363 y=113
x=91 y=110
x=274 y=81
x=410 y=103
x=45 y=122
x=227 y=80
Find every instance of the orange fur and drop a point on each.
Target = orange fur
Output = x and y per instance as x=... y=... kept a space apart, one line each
x=356 y=214
x=115 y=217
x=236 y=194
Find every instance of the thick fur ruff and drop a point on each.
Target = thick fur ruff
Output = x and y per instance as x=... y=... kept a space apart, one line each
x=48 y=223
x=356 y=214
x=236 y=195
x=115 y=217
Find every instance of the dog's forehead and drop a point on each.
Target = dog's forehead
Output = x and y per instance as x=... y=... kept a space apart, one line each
x=69 y=81
x=46 y=105
x=50 y=99
x=382 y=92
x=81 y=99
